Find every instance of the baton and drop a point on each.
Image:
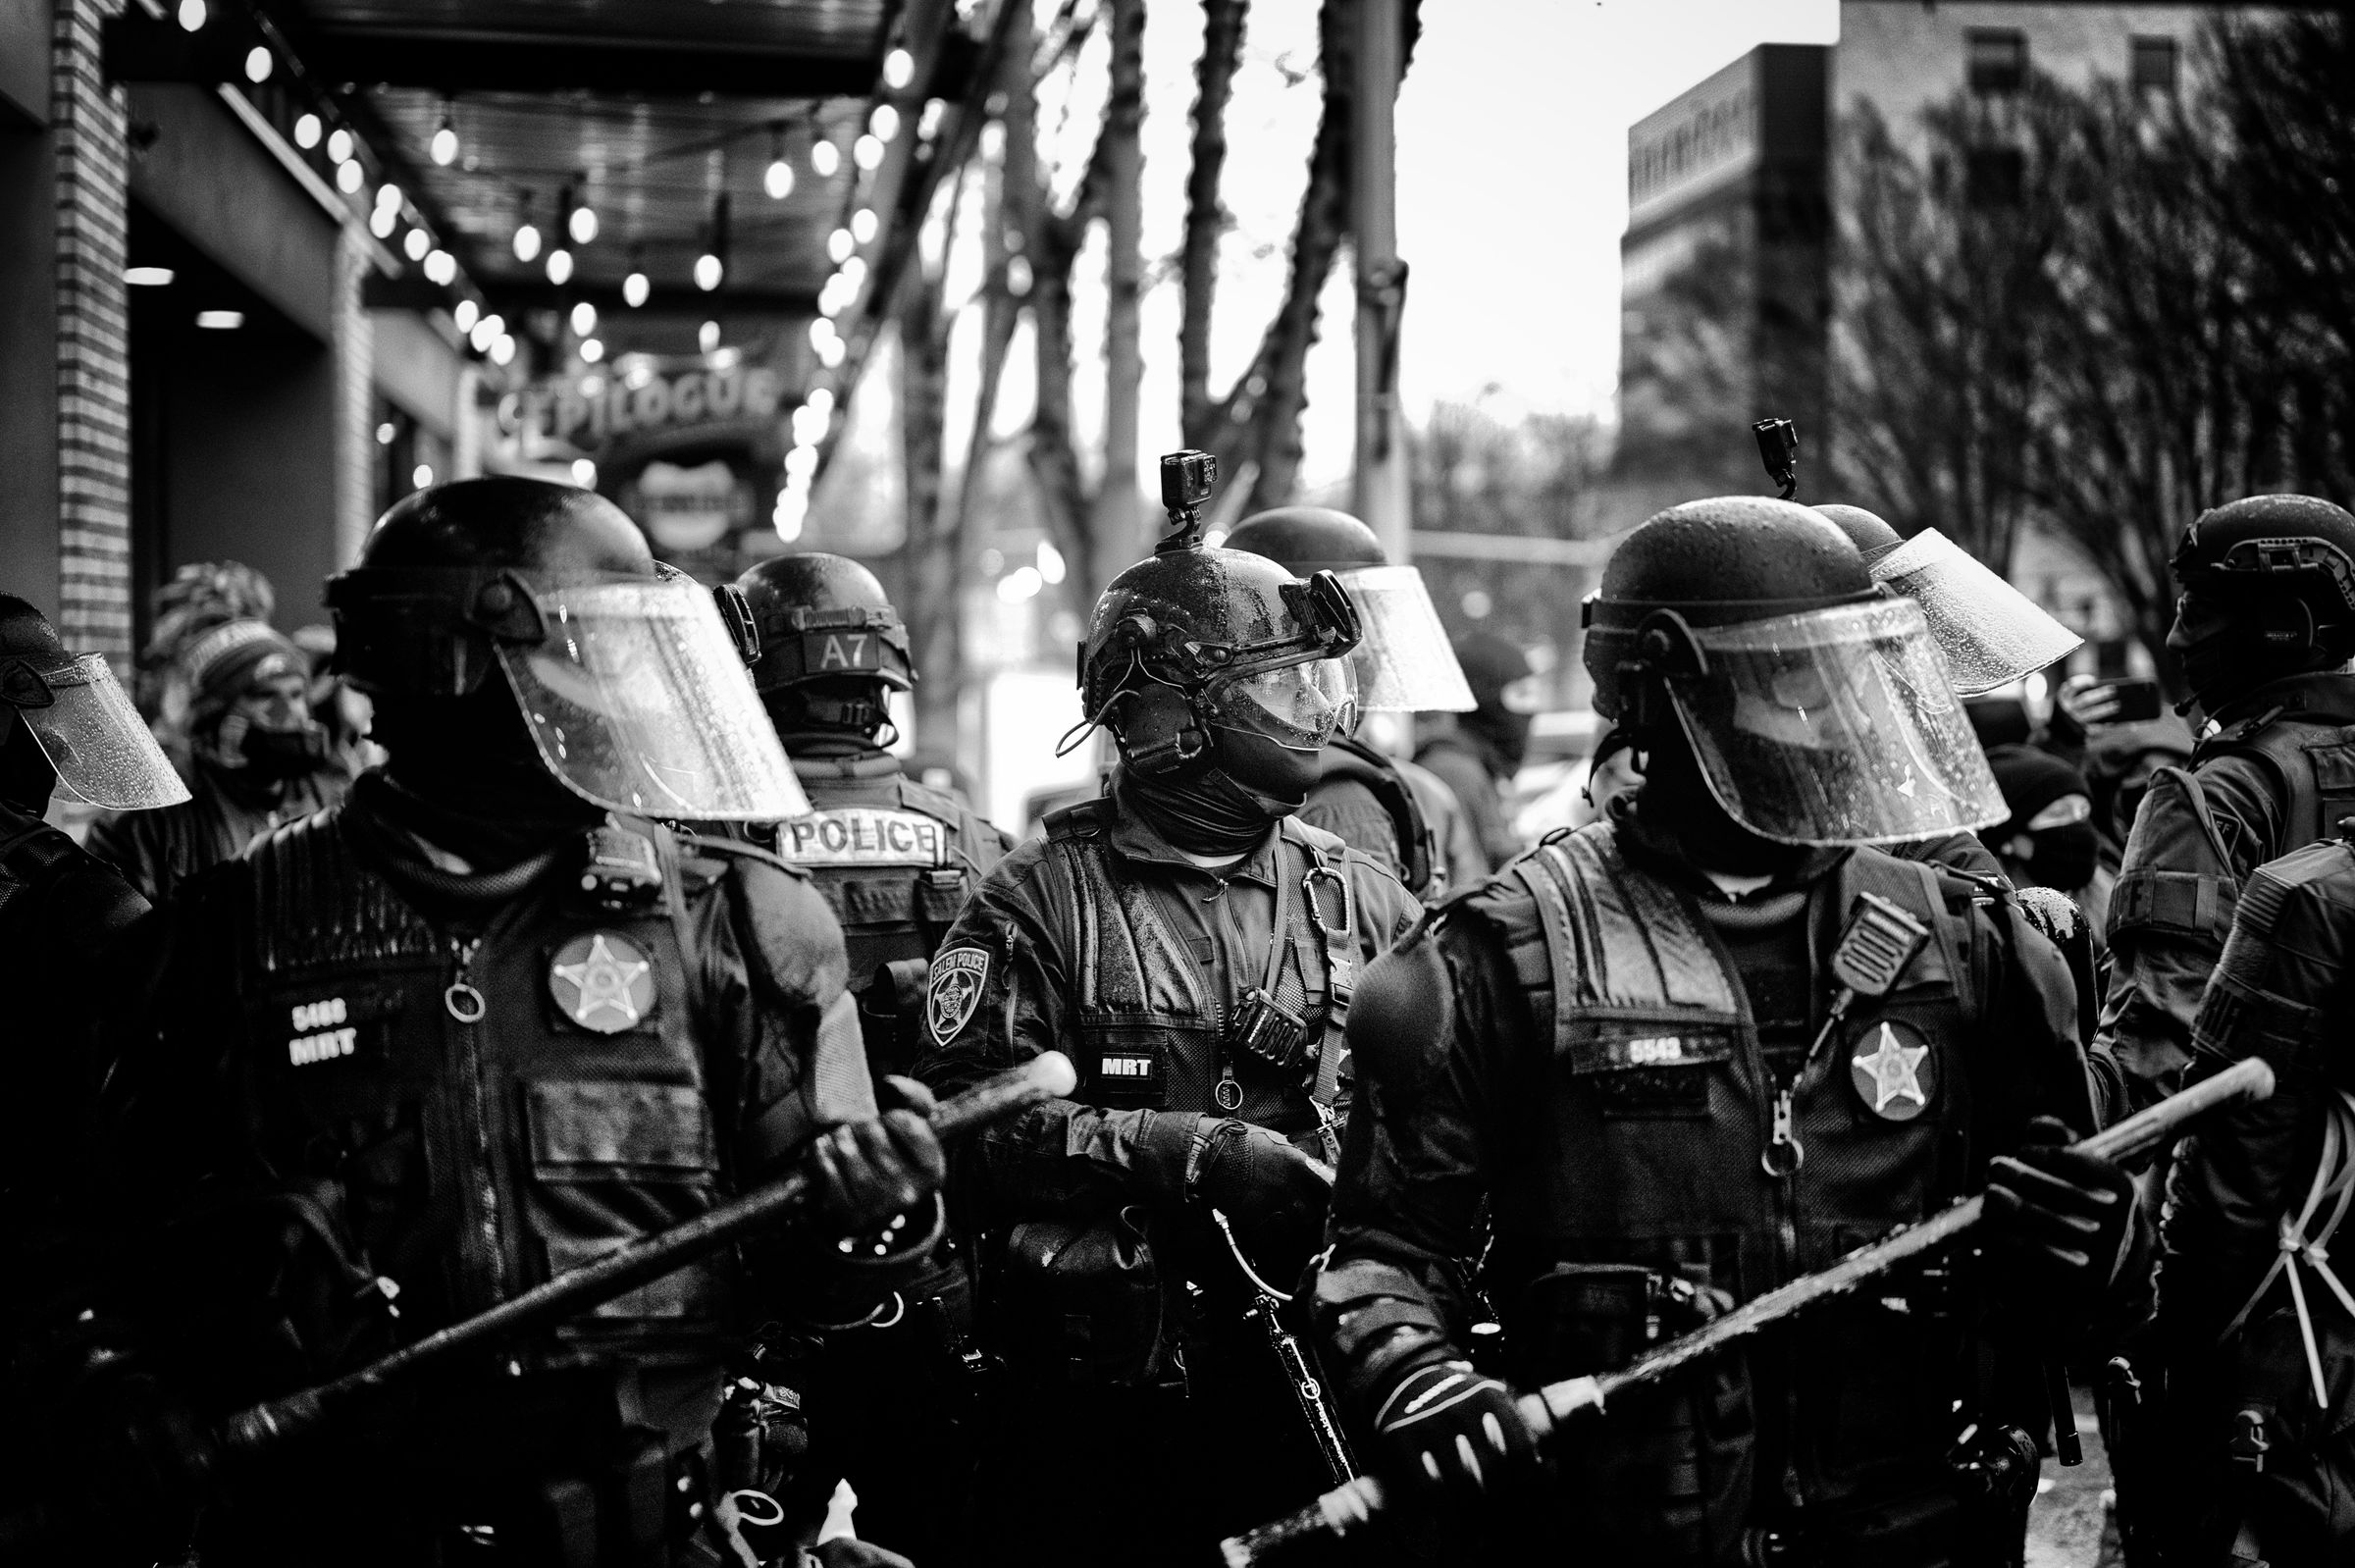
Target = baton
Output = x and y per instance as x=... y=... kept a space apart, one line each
x=1345 y=1508
x=254 y=1430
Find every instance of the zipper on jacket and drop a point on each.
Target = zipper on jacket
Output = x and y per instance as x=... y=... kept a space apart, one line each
x=467 y=1006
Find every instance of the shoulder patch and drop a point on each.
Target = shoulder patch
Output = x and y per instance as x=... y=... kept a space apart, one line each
x=956 y=979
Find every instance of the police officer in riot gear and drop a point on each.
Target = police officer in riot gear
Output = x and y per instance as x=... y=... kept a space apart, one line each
x=478 y=1025
x=1650 y=1050
x=1193 y=946
x=2265 y=627
x=893 y=859
x=1403 y=665
x=891 y=1407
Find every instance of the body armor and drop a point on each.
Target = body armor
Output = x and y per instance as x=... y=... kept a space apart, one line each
x=1410 y=850
x=1651 y=1166
x=497 y=1108
x=1153 y=1029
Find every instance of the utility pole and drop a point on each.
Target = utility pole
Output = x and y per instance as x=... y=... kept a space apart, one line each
x=1380 y=494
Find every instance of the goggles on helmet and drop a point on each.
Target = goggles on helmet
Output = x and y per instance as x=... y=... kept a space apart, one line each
x=85 y=725
x=1301 y=707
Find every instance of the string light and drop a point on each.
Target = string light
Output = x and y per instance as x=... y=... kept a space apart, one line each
x=777 y=178
x=484 y=333
x=383 y=221
x=592 y=350
x=415 y=244
x=583 y=319
x=387 y=195
x=822 y=398
x=445 y=145
x=713 y=265
x=583 y=473
x=707 y=337
x=350 y=177
x=191 y=14
x=338 y=145
x=441 y=266
x=465 y=314
x=863 y=224
x=867 y=153
x=899 y=69
x=560 y=267
x=839 y=245
x=580 y=218
x=884 y=122
x=636 y=287
x=258 y=64
x=307 y=131
x=527 y=233
x=824 y=157
x=709 y=270
x=504 y=350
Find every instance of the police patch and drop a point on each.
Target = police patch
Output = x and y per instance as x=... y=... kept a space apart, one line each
x=604 y=981
x=955 y=981
x=1895 y=1071
x=862 y=835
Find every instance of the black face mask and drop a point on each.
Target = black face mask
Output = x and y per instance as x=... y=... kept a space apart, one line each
x=1505 y=732
x=1676 y=809
x=474 y=782
x=276 y=755
x=2065 y=857
x=26 y=776
x=1204 y=812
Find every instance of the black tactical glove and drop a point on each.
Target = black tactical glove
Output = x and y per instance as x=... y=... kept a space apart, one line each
x=1274 y=1195
x=1452 y=1437
x=868 y=1172
x=2063 y=1216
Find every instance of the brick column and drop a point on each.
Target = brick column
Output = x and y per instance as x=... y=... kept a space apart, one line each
x=93 y=341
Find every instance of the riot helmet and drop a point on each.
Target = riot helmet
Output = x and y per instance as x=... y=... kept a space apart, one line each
x=1403 y=662
x=1991 y=633
x=628 y=683
x=1816 y=707
x=2268 y=589
x=67 y=727
x=825 y=646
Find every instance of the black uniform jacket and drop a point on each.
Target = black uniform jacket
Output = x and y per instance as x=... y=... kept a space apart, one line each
x=1137 y=987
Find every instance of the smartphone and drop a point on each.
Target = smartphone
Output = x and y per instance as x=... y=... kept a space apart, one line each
x=2138 y=699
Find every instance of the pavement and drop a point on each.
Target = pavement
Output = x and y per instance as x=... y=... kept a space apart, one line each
x=2069 y=1523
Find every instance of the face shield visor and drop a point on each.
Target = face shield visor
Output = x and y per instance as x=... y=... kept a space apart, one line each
x=1835 y=726
x=1403 y=662
x=85 y=723
x=638 y=701
x=1989 y=631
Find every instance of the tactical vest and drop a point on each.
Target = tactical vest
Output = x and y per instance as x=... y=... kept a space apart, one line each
x=490 y=1110
x=1351 y=760
x=2312 y=761
x=1153 y=1026
x=1656 y=1108
x=31 y=856
x=895 y=875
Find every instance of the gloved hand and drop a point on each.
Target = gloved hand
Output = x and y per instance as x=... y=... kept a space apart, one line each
x=868 y=1172
x=1274 y=1195
x=2063 y=1216
x=1452 y=1437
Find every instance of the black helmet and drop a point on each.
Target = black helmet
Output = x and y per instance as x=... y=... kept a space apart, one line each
x=1750 y=635
x=1309 y=538
x=446 y=575
x=2283 y=567
x=1715 y=563
x=1865 y=530
x=822 y=640
x=1178 y=636
x=65 y=724
x=630 y=688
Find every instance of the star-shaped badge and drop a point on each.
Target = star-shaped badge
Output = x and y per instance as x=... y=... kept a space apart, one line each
x=1894 y=1071
x=609 y=981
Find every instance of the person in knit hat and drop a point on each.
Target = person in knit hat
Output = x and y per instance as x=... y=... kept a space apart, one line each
x=2050 y=839
x=255 y=758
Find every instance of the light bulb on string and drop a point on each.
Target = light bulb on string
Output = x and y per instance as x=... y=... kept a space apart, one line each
x=307 y=131
x=830 y=353
x=592 y=350
x=464 y=313
x=527 y=233
x=867 y=152
x=350 y=177
x=258 y=64
x=191 y=14
x=777 y=178
x=415 y=244
x=899 y=69
x=826 y=159
x=582 y=226
x=636 y=287
x=444 y=146
x=707 y=337
x=822 y=398
x=863 y=225
x=338 y=145
x=884 y=123
x=441 y=266
x=504 y=350
x=483 y=334
x=709 y=270
x=383 y=221
x=583 y=319
x=560 y=267
x=839 y=245
x=388 y=194
x=713 y=265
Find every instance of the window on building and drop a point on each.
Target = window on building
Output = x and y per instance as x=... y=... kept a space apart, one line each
x=2154 y=64
x=1993 y=176
x=1997 y=58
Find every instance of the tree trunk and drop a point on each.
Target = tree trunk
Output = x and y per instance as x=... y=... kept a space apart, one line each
x=933 y=553
x=1205 y=214
x=1116 y=523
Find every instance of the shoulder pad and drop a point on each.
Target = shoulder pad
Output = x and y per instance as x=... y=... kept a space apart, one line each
x=1080 y=820
x=799 y=952
x=1311 y=837
x=1399 y=1014
x=931 y=802
x=2053 y=912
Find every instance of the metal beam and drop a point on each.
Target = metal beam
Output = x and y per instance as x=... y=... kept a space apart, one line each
x=412 y=291
x=138 y=47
